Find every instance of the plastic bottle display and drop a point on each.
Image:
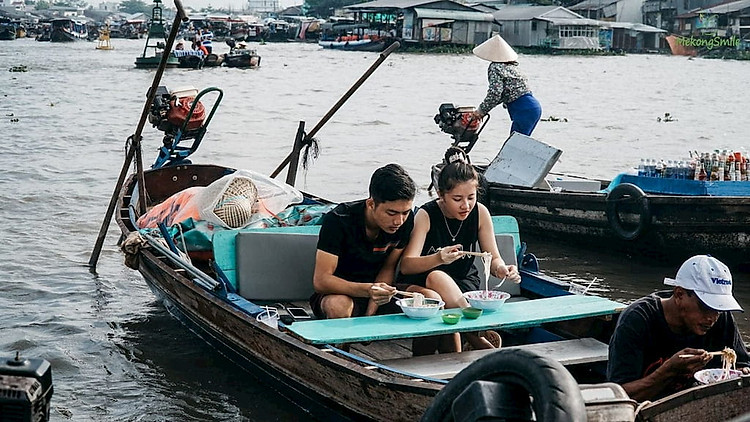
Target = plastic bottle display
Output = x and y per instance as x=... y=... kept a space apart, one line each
x=717 y=166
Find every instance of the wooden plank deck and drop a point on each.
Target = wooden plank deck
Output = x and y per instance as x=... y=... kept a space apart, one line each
x=530 y=313
x=447 y=365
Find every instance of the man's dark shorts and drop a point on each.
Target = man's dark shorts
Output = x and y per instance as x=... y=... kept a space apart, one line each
x=360 y=306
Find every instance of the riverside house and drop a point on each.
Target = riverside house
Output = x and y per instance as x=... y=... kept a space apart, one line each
x=729 y=20
x=428 y=22
x=547 y=26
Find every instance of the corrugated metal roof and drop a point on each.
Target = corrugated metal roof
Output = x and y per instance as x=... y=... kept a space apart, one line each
x=390 y=4
x=591 y=4
x=459 y=15
x=735 y=6
x=572 y=21
x=513 y=13
x=632 y=26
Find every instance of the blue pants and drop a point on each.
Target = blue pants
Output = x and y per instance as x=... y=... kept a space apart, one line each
x=524 y=113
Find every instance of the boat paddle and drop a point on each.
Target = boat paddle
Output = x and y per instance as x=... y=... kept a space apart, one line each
x=134 y=141
x=335 y=108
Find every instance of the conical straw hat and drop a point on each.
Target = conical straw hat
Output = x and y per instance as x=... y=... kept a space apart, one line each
x=495 y=49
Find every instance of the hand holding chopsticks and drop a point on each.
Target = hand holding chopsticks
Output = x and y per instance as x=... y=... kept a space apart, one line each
x=710 y=353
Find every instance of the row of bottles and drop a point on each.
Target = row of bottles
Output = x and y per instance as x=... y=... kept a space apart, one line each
x=718 y=166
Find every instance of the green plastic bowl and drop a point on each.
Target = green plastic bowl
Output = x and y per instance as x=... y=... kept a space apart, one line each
x=451 y=318
x=471 y=312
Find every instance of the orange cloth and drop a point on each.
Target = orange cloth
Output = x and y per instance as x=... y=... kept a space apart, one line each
x=175 y=209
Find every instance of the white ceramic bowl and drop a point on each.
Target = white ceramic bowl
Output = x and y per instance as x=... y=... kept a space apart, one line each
x=431 y=308
x=488 y=300
x=710 y=376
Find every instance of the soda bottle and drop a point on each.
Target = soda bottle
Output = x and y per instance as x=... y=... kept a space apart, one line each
x=642 y=168
x=702 y=174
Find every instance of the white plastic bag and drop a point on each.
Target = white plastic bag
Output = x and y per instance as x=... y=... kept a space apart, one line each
x=273 y=196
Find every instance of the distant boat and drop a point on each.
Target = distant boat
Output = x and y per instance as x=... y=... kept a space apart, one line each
x=155 y=43
x=679 y=49
x=7 y=30
x=68 y=30
x=352 y=43
x=241 y=57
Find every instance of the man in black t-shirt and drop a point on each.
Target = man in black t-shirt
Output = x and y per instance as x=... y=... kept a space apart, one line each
x=663 y=339
x=359 y=246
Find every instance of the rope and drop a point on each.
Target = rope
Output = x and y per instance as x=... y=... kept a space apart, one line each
x=311 y=153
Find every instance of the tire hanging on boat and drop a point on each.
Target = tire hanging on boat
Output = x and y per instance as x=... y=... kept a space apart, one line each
x=555 y=393
x=628 y=192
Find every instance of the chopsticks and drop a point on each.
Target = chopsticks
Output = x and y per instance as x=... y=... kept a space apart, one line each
x=710 y=353
x=398 y=292
x=474 y=253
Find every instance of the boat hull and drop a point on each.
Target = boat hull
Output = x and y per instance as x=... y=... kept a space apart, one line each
x=325 y=384
x=678 y=227
x=358 y=45
x=154 y=61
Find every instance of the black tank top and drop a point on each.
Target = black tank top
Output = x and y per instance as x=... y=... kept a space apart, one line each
x=442 y=232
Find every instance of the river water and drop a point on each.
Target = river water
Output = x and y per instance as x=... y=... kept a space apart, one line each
x=115 y=352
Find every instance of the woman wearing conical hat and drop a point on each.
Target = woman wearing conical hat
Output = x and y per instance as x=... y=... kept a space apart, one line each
x=507 y=85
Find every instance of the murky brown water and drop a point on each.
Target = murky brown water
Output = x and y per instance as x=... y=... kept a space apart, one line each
x=117 y=355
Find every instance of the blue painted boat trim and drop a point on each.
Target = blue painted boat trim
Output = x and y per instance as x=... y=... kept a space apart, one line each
x=381 y=366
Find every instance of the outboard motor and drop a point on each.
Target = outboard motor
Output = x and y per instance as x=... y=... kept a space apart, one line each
x=181 y=116
x=25 y=389
x=460 y=124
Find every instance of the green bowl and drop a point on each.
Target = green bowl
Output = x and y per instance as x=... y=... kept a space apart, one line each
x=472 y=313
x=451 y=318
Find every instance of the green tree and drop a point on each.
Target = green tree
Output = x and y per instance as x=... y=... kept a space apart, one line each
x=135 y=6
x=326 y=8
x=42 y=5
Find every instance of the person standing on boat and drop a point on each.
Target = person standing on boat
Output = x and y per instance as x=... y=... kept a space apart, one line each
x=443 y=229
x=663 y=339
x=507 y=86
x=206 y=39
x=360 y=244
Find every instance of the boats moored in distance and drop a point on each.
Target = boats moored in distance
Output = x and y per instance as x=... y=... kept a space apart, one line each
x=68 y=30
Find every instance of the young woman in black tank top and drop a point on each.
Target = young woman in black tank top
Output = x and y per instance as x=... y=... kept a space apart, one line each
x=446 y=227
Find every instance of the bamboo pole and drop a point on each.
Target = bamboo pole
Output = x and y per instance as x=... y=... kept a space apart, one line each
x=135 y=144
x=337 y=106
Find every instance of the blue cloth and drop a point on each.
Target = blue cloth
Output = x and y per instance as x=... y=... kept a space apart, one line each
x=524 y=113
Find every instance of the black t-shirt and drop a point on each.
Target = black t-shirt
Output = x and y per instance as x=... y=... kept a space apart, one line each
x=343 y=234
x=447 y=232
x=642 y=340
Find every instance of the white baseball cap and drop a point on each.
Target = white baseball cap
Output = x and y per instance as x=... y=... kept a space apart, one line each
x=710 y=279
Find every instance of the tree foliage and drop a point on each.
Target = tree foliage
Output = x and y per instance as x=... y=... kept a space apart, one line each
x=326 y=8
x=135 y=6
x=42 y=5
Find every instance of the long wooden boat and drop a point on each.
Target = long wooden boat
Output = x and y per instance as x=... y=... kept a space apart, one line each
x=68 y=30
x=300 y=359
x=635 y=215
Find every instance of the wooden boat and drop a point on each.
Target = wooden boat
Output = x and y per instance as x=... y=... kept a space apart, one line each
x=68 y=30
x=635 y=214
x=155 y=41
x=669 y=219
x=7 y=29
x=241 y=56
x=368 y=44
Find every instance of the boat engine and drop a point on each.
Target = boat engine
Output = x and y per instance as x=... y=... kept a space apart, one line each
x=171 y=110
x=460 y=124
x=25 y=389
x=181 y=116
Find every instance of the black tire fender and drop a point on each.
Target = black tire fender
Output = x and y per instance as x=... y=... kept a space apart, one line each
x=628 y=192
x=556 y=395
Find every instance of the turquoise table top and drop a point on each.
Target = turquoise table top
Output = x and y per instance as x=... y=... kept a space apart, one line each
x=529 y=313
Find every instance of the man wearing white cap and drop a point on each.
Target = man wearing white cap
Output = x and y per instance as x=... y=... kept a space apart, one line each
x=507 y=85
x=661 y=340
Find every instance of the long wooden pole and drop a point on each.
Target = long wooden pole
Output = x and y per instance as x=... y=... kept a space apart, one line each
x=135 y=144
x=338 y=104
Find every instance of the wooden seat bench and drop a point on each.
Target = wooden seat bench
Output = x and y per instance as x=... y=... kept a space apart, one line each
x=447 y=365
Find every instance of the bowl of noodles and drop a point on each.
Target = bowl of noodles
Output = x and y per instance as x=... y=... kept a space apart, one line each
x=488 y=300
x=420 y=309
x=710 y=376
